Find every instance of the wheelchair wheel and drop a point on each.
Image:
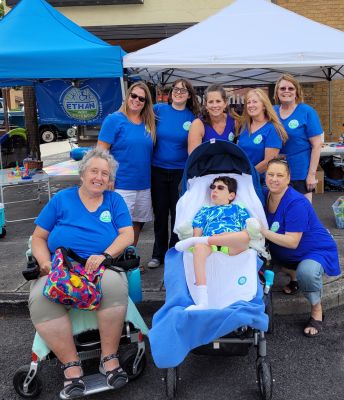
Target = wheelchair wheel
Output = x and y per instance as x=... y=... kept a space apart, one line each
x=35 y=386
x=127 y=363
x=171 y=381
x=264 y=378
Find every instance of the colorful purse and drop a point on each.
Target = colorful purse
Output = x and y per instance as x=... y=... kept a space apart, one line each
x=69 y=284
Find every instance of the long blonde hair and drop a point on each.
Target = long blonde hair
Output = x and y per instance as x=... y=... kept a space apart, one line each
x=269 y=113
x=295 y=82
x=147 y=113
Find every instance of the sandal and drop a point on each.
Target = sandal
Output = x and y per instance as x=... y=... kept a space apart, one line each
x=313 y=323
x=291 y=288
x=73 y=387
x=115 y=378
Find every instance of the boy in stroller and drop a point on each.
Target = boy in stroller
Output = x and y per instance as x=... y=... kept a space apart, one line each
x=220 y=226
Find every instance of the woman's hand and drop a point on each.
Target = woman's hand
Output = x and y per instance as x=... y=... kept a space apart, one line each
x=93 y=262
x=311 y=181
x=45 y=268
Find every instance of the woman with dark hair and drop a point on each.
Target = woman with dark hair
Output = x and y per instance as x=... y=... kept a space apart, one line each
x=298 y=240
x=215 y=120
x=129 y=134
x=173 y=122
x=304 y=130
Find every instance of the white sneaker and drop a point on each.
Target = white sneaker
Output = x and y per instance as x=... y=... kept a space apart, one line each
x=154 y=263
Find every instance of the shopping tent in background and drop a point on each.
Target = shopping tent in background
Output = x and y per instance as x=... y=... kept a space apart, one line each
x=248 y=42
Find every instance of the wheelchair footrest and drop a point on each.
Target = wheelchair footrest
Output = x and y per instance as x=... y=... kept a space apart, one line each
x=95 y=383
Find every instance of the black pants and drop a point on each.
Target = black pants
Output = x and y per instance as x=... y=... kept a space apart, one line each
x=165 y=194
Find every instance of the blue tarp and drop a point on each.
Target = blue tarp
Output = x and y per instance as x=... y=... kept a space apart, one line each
x=37 y=42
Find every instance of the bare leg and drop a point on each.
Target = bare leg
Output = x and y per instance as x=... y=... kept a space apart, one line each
x=58 y=336
x=236 y=241
x=292 y=274
x=137 y=229
x=200 y=254
x=110 y=325
x=316 y=313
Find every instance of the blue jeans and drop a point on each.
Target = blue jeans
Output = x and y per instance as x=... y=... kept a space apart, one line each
x=309 y=275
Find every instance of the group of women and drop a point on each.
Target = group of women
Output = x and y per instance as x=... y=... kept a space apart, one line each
x=151 y=145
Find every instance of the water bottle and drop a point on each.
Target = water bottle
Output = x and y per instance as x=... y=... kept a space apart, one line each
x=2 y=216
x=269 y=280
x=134 y=285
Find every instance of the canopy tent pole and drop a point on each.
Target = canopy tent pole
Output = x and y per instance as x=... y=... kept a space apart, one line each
x=122 y=88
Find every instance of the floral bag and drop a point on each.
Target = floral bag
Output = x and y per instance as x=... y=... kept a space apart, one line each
x=69 y=284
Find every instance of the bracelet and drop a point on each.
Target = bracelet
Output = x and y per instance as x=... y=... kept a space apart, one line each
x=107 y=256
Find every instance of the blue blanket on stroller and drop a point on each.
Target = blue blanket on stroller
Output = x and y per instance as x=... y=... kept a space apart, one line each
x=175 y=332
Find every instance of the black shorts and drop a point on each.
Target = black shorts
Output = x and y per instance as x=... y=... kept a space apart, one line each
x=300 y=186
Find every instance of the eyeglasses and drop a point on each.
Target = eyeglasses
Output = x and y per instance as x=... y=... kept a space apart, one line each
x=284 y=89
x=179 y=90
x=219 y=187
x=135 y=96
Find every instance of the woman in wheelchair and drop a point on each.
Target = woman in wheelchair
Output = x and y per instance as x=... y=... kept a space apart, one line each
x=222 y=225
x=96 y=225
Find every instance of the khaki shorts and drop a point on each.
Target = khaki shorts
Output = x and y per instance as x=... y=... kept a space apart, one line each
x=139 y=203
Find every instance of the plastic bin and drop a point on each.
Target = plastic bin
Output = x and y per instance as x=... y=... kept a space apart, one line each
x=338 y=210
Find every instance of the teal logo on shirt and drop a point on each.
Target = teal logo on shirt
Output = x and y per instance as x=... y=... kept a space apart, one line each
x=186 y=125
x=258 y=139
x=105 y=216
x=231 y=137
x=275 y=226
x=242 y=280
x=293 y=124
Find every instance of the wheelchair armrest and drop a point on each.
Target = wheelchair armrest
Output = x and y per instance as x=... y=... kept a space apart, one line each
x=32 y=269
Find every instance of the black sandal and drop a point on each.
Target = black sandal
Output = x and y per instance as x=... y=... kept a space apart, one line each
x=292 y=287
x=115 y=378
x=74 y=387
x=313 y=323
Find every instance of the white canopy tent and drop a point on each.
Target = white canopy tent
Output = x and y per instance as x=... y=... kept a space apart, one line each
x=248 y=42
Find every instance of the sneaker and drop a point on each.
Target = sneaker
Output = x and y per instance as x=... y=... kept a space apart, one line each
x=154 y=263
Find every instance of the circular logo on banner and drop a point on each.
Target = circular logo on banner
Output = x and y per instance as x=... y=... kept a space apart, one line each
x=275 y=226
x=81 y=103
x=105 y=216
x=242 y=280
x=231 y=137
x=293 y=124
x=258 y=139
x=186 y=125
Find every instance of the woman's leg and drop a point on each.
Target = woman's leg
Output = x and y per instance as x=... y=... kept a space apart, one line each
x=309 y=275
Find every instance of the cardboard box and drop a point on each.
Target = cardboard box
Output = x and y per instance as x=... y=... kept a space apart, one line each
x=320 y=177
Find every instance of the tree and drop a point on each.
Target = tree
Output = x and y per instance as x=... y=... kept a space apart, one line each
x=2 y=9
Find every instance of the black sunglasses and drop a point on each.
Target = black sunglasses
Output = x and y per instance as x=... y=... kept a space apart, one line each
x=136 y=96
x=283 y=89
x=219 y=187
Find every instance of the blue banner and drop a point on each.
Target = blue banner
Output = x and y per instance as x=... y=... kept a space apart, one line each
x=87 y=102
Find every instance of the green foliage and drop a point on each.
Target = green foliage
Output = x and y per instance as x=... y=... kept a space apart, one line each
x=2 y=9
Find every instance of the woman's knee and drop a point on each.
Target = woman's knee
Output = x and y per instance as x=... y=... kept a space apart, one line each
x=309 y=274
x=114 y=289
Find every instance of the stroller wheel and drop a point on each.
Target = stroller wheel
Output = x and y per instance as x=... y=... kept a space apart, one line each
x=171 y=381
x=35 y=386
x=127 y=360
x=264 y=377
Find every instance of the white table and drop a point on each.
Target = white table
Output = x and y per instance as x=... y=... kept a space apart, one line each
x=8 y=181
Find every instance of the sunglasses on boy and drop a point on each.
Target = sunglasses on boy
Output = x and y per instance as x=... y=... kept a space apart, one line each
x=136 y=96
x=218 y=187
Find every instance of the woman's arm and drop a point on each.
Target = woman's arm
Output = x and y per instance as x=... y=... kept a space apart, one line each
x=316 y=144
x=196 y=134
x=269 y=154
x=290 y=240
x=122 y=241
x=40 y=249
x=103 y=145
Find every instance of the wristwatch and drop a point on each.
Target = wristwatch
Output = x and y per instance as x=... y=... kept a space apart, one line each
x=108 y=257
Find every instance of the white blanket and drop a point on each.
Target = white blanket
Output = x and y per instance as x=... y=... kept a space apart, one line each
x=229 y=278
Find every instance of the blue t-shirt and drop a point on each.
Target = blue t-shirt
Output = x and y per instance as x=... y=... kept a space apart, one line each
x=172 y=129
x=301 y=125
x=296 y=214
x=227 y=134
x=132 y=147
x=71 y=225
x=254 y=144
x=218 y=219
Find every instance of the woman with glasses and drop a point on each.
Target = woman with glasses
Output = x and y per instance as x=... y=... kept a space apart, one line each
x=215 y=121
x=261 y=133
x=129 y=134
x=298 y=240
x=304 y=130
x=173 y=122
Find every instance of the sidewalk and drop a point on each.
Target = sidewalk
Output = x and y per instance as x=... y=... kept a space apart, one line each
x=14 y=289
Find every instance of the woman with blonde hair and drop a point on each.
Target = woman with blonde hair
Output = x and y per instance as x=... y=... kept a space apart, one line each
x=261 y=134
x=129 y=135
x=304 y=130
